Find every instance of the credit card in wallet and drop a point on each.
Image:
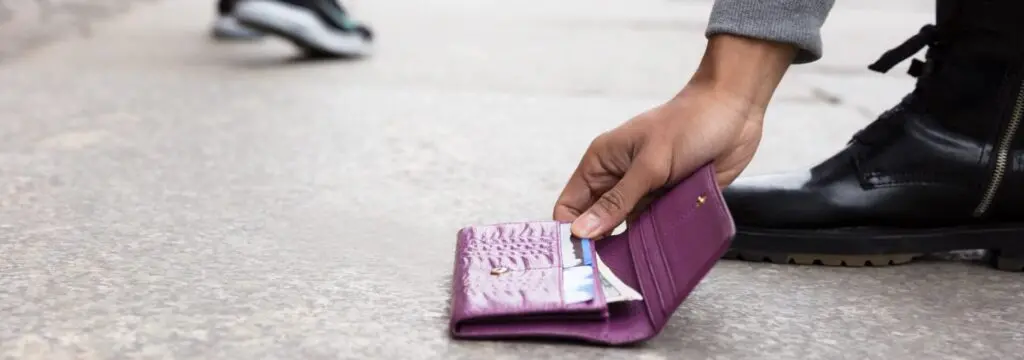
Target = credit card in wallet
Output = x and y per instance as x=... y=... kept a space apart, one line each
x=578 y=284
x=577 y=267
x=575 y=251
x=569 y=258
x=577 y=254
x=582 y=247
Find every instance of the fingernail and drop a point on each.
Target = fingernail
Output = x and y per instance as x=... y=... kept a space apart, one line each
x=586 y=225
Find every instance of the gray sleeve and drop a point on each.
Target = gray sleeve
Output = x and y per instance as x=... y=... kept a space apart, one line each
x=796 y=22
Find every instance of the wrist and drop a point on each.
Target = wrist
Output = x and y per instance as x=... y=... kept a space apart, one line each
x=746 y=69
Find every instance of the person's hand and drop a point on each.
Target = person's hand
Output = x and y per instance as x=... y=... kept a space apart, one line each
x=655 y=149
x=711 y=120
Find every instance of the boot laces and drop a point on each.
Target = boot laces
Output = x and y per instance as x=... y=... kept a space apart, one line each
x=885 y=126
x=925 y=37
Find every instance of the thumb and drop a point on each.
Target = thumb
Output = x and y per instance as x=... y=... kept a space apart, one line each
x=615 y=204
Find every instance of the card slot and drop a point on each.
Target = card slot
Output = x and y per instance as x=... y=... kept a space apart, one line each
x=647 y=260
x=698 y=206
x=662 y=255
x=675 y=258
x=660 y=230
x=632 y=319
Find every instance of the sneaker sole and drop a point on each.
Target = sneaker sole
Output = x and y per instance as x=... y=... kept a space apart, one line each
x=867 y=247
x=222 y=33
x=232 y=37
x=300 y=26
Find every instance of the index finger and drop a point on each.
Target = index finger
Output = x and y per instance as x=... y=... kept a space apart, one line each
x=575 y=198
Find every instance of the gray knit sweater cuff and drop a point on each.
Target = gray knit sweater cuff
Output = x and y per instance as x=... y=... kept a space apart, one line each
x=796 y=22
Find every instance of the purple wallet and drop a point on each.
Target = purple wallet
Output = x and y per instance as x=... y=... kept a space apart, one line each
x=508 y=277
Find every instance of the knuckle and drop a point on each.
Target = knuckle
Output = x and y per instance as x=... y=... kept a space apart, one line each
x=613 y=201
x=599 y=141
x=596 y=147
x=657 y=171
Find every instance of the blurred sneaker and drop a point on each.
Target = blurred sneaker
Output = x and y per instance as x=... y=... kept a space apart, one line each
x=228 y=28
x=320 y=27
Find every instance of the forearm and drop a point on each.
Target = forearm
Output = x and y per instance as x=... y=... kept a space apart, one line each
x=749 y=70
x=794 y=22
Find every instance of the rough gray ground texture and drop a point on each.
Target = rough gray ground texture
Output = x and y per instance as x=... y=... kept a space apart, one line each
x=163 y=196
x=25 y=24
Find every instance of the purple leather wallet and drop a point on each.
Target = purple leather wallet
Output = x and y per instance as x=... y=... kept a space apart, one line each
x=508 y=277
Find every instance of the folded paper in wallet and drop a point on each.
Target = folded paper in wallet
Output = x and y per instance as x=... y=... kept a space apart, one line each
x=508 y=277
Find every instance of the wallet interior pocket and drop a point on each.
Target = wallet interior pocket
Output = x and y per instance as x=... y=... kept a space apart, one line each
x=676 y=243
x=513 y=273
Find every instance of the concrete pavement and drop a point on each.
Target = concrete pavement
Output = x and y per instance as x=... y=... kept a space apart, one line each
x=27 y=24
x=163 y=196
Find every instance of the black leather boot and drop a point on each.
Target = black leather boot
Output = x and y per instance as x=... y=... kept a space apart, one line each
x=941 y=171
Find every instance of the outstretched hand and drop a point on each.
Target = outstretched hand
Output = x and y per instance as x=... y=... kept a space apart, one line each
x=655 y=149
x=717 y=117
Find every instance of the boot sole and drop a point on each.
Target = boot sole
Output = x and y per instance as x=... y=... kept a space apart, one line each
x=822 y=259
x=301 y=27
x=876 y=247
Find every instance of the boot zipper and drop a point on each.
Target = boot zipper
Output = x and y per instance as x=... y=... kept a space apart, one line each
x=1002 y=154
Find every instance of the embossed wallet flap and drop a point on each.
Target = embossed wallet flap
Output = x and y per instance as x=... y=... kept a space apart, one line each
x=514 y=270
